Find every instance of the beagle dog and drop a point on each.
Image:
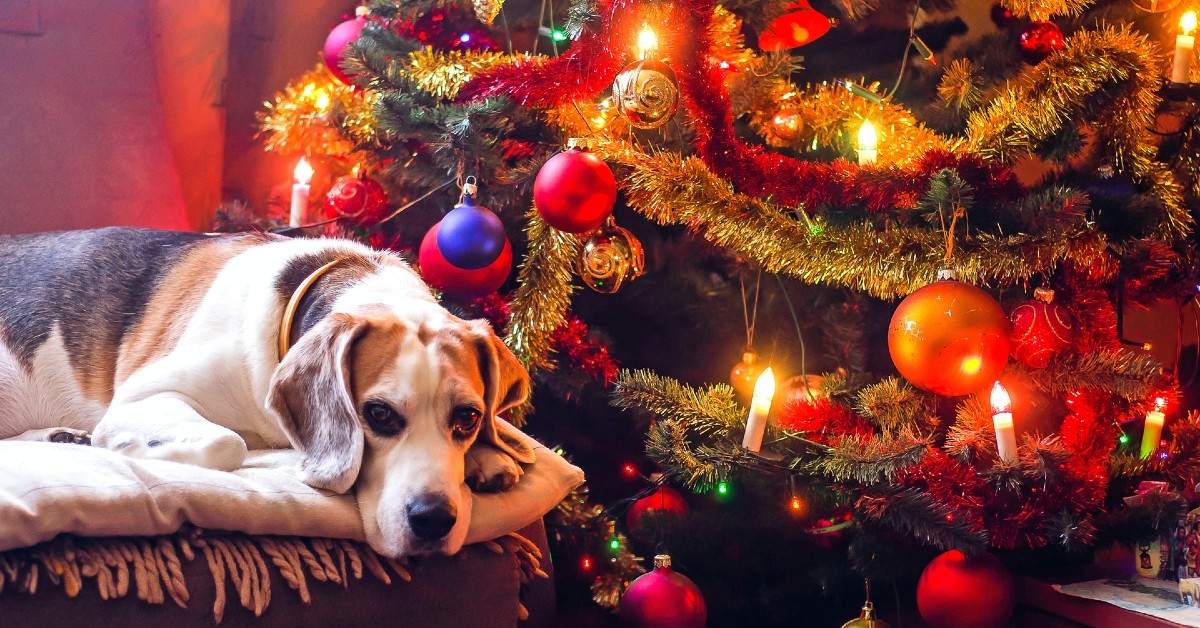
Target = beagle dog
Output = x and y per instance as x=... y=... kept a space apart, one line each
x=193 y=348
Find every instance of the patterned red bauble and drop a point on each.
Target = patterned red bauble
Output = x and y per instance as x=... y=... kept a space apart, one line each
x=1039 y=40
x=1040 y=329
x=461 y=283
x=335 y=46
x=949 y=338
x=663 y=599
x=664 y=500
x=574 y=191
x=800 y=24
x=960 y=592
x=358 y=199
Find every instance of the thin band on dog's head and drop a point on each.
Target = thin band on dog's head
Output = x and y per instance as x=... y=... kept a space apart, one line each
x=289 y=312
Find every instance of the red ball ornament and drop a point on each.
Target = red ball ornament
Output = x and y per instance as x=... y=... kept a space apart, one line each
x=799 y=24
x=574 y=191
x=1040 y=329
x=663 y=599
x=359 y=199
x=458 y=282
x=1038 y=40
x=335 y=46
x=664 y=500
x=1002 y=17
x=960 y=592
x=949 y=338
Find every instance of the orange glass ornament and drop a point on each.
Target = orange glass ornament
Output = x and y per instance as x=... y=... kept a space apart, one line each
x=949 y=338
x=745 y=373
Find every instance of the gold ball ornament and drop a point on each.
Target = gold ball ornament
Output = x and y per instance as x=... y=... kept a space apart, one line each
x=949 y=338
x=610 y=256
x=866 y=619
x=745 y=373
x=646 y=93
x=787 y=125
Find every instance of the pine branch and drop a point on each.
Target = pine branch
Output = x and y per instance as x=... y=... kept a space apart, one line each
x=1129 y=375
x=894 y=405
x=712 y=411
x=869 y=461
x=917 y=514
x=972 y=436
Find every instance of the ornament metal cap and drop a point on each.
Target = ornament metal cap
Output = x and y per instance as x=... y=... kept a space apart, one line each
x=361 y=11
x=947 y=273
x=582 y=143
x=1045 y=295
x=662 y=561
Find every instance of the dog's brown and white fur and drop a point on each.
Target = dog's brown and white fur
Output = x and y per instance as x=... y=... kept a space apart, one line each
x=164 y=345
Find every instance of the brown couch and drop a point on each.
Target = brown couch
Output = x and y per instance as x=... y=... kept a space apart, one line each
x=477 y=588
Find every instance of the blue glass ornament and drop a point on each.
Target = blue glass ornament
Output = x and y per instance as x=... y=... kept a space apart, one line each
x=471 y=236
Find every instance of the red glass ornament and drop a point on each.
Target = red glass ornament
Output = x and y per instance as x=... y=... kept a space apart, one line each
x=665 y=500
x=1038 y=40
x=1040 y=329
x=960 y=592
x=1002 y=17
x=800 y=24
x=663 y=599
x=335 y=46
x=359 y=199
x=574 y=191
x=949 y=338
x=458 y=282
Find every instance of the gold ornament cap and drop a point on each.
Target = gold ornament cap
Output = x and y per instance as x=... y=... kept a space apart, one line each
x=662 y=561
x=750 y=357
x=1045 y=295
x=582 y=143
x=866 y=619
x=947 y=274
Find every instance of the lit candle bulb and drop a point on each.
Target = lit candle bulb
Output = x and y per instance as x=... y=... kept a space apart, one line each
x=1184 y=43
x=303 y=174
x=867 y=143
x=647 y=42
x=760 y=406
x=1153 y=430
x=1002 y=420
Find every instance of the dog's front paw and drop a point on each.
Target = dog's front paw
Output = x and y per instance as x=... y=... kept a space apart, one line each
x=57 y=435
x=490 y=470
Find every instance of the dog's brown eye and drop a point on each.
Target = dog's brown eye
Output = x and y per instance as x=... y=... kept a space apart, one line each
x=382 y=419
x=465 y=420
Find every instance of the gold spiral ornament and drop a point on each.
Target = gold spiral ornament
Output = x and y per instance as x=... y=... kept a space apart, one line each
x=609 y=257
x=646 y=93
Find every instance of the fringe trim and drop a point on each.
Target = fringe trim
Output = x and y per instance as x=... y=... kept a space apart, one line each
x=152 y=569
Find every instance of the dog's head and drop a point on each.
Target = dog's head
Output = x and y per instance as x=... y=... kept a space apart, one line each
x=389 y=405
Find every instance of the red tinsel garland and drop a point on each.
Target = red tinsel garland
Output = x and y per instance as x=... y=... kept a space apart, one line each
x=594 y=59
x=571 y=340
x=821 y=420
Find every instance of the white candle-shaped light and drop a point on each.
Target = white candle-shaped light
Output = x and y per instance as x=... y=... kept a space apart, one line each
x=1002 y=420
x=1152 y=432
x=868 y=141
x=760 y=406
x=1184 y=43
x=647 y=42
x=300 y=189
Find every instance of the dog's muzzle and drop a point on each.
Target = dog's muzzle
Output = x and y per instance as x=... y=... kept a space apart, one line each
x=430 y=516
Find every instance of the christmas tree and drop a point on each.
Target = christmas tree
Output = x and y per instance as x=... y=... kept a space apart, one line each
x=928 y=235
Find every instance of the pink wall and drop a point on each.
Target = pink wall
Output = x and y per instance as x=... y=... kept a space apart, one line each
x=82 y=137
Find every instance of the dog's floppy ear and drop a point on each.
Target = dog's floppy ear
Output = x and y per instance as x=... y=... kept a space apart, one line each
x=310 y=391
x=506 y=384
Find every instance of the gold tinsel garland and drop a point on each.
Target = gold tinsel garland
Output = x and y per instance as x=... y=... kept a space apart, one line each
x=540 y=303
x=315 y=114
x=442 y=74
x=1042 y=10
x=670 y=189
x=1058 y=91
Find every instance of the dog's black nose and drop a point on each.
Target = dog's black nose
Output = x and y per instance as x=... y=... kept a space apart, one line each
x=431 y=516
